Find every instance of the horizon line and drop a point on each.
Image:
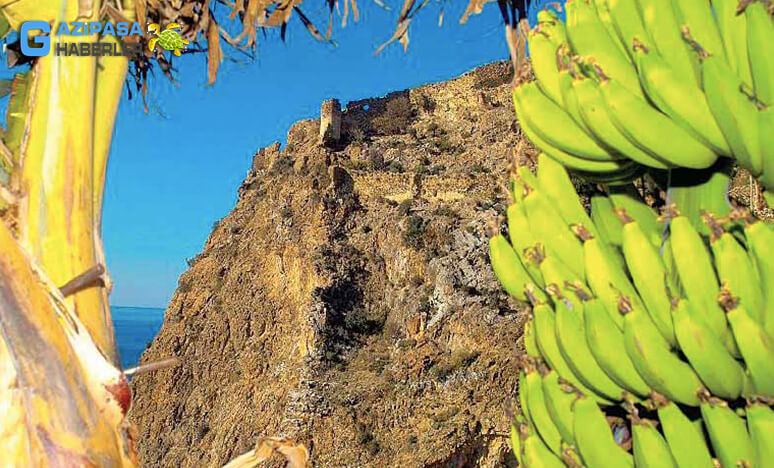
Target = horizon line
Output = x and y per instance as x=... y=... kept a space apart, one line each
x=112 y=306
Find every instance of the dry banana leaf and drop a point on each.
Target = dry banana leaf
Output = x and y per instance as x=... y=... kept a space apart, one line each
x=310 y=27
x=475 y=7
x=345 y=15
x=296 y=455
x=401 y=31
x=214 y=51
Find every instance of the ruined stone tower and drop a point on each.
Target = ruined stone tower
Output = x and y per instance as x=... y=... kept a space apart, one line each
x=330 y=122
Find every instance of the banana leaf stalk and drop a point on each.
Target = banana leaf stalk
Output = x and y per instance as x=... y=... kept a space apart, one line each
x=59 y=374
x=63 y=402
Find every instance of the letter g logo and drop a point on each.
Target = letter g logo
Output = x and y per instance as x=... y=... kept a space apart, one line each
x=44 y=41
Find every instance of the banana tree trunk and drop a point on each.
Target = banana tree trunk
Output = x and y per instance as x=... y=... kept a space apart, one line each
x=59 y=372
x=64 y=152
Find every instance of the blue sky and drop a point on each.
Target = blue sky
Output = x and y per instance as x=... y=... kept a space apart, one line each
x=170 y=177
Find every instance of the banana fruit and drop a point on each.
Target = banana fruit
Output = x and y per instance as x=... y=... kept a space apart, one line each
x=638 y=315
x=661 y=84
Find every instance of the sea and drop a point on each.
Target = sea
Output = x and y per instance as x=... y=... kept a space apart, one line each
x=135 y=329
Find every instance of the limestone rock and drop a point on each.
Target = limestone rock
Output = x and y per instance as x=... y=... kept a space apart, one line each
x=336 y=308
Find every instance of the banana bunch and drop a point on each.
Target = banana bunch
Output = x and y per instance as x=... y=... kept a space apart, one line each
x=624 y=85
x=648 y=344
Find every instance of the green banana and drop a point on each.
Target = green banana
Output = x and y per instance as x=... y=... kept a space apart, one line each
x=719 y=371
x=551 y=23
x=571 y=161
x=603 y=217
x=656 y=364
x=527 y=177
x=735 y=268
x=547 y=225
x=629 y=171
x=627 y=197
x=605 y=277
x=760 y=239
x=589 y=37
x=603 y=12
x=547 y=15
x=508 y=268
x=559 y=397
x=696 y=16
x=755 y=345
x=650 y=448
x=663 y=26
x=606 y=341
x=567 y=76
x=530 y=343
x=610 y=169
x=686 y=441
x=594 y=438
x=535 y=453
x=734 y=110
x=673 y=277
x=749 y=388
x=557 y=277
x=555 y=126
x=727 y=432
x=571 y=457
x=760 y=36
x=515 y=189
x=542 y=51
x=682 y=100
x=571 y=337
x=516 y=444
x=760 y=425
x=766 y=127
x=608 y=227
x=733 y=31
x=653 y=131
x=697 y=275
x=649 y=275
x=628 y=23
x=596 y=117
x=555 y=182
x=523 y=398
x=545 y=333
x=537 y=410
x=521 y=237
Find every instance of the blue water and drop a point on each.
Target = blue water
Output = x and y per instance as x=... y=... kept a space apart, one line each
x=135 y=329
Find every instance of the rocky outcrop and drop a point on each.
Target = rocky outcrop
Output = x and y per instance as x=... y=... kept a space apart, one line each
x=346 y=302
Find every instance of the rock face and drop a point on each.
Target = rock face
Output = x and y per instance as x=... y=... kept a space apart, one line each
x=347 y=302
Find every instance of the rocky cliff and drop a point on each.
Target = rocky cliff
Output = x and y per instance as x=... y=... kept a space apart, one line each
x=346 y=301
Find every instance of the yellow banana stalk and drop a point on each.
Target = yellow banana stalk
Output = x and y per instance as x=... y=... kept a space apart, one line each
x=76 y=102
x=63 y=403
x=59 y=378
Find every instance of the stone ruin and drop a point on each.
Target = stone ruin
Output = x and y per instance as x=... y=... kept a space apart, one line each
x=330 y=122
